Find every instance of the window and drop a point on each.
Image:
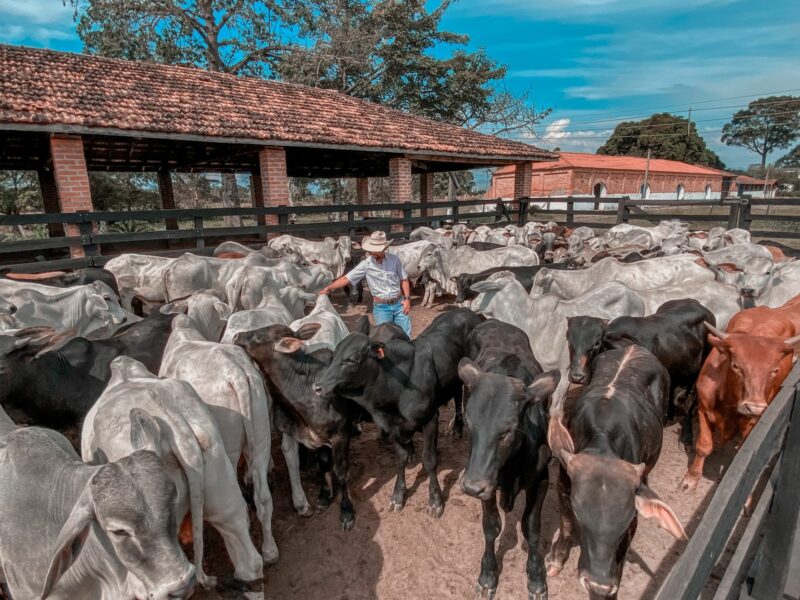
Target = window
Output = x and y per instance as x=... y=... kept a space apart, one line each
x=644 y=192
x=708 y=192
x=599 y=190
x=680 y=192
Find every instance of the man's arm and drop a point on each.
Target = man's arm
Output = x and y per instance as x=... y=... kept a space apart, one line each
x=406 y=287
x=335 y=285
x=355 y=275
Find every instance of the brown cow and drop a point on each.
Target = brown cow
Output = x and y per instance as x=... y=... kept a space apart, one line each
x=742 y=374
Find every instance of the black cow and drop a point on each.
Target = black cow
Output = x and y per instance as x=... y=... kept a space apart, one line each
x=608 y=443
x=483 y=246
x=303 y=416
x=507 y=415
x=524 y=275
x=56 y=382
x=675 y=334
x=65 y=280
x=402 y=384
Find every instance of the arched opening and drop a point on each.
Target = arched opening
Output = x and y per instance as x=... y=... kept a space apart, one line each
x=599 y=190
x=644 y=191
x=680 y=192
x=707 y=194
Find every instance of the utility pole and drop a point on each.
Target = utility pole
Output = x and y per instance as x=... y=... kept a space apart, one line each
x=646 y=173
x=689 y=123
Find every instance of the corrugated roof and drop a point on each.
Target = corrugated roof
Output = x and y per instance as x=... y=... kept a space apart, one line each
x=52 y=90
x=580 y=160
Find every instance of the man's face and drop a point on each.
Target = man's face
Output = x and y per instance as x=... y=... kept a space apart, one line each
x=379 y=256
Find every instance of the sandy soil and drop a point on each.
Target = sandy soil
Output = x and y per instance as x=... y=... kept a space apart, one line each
x=412 y=556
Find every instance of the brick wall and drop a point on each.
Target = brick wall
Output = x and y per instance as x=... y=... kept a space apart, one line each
x=425 y=191
x=274 y=180
x=47 y=185
x=400 y=185
x=72 y=180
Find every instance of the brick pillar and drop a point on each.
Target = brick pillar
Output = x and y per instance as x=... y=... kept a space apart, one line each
x=523 y=175
x=274 y=180
x=167 y=196
x=257 y=191
x=362 y=194
x=399 y=185
x=72 y=180
x=47 y=185
x=425 y=192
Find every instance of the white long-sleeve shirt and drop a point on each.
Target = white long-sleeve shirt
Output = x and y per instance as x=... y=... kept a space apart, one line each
x=382 y=277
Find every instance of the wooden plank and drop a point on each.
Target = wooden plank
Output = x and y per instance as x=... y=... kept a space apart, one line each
x=51 y=265
x=43 y=244
x=776 y=234
x=687 y=578
x=782 y=523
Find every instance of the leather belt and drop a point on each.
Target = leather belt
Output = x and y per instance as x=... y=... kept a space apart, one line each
x=387 y=300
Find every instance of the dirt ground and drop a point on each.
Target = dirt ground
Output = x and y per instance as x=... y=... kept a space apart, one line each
x=413 y=556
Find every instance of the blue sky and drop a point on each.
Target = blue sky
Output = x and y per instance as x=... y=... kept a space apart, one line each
x=593 y=61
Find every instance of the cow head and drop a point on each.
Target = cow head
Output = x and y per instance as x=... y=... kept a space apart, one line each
x=7 y=311
x=106 y=303
x=488 y=292
x=19 y=351
x=429 y=258
x=130 y=502
x=496 y=415
x=757 y=366
x=345 y=247
x=585 y=340
x=355 y=363
x=263 y=344
x=606 y=493
x=463 y=282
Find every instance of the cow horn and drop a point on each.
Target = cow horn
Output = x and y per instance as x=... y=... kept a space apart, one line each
x=714 y=331
x=792 y=341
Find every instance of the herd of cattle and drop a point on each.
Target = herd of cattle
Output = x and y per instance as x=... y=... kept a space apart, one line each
x=178 y=369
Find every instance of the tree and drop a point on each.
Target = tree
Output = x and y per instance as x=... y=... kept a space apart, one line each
x=19 y=192
x=666 y=136
x=767 y=124
x=790 y=160
x=123 y=191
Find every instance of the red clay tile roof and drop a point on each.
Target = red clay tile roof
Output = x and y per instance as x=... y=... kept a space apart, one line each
x=747 y=180
x=55 y=89
x=580 y=160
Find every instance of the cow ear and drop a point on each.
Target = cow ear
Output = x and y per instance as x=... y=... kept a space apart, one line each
x=378 y=350
x=288 y=345
x=468 y=371
x=355 y=246
x=307 y=331
x=175 y=308
x=312 y=299
x=483 y=287
x=70 y=539
x=223 y=310
x=650 y=506
x=362 y=325
x=567 y=459
x=558 y=437
x=543 y=387
x=145 y=433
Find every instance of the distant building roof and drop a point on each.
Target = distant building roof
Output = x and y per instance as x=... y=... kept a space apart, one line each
x=56 y=91
x=581 y=160
x=747 y=180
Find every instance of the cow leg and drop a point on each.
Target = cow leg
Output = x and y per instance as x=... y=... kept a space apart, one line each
x=430 y=452
x=341 y=458
x=457 y=424
x=400 y=459
x=531 y=529
x=562 y=544
x=326 y=490
x=487 y=580
x=703 y=447
x=263 y=501
x=291 y=452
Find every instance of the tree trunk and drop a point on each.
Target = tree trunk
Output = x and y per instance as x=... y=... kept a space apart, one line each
x=230 y=199
x=763 y=160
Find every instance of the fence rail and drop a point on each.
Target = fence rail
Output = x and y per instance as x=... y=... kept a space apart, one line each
x=97 y=246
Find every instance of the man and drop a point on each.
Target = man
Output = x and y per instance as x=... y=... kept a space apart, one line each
x=387 y=280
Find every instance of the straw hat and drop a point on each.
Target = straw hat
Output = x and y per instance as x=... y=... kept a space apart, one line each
x=375 y=242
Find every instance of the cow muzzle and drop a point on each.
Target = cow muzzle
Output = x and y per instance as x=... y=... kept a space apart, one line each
x=751 y=409
x=576 y=376
x=477 y=488
x=596 y=587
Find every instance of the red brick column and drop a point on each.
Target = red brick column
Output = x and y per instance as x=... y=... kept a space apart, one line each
x=274 y=180
x=522 y=181
x=167 y=196
x=425 y=192
x=47 y=185
x=399 y=185
x=72 y=180
x=257 y=191
x=362 y=194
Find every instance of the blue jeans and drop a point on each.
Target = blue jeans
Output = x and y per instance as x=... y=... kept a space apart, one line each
x=392 y=313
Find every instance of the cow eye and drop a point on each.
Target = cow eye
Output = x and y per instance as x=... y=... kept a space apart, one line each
x=121 y=533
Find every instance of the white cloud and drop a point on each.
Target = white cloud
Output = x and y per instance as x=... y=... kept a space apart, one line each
x=581 y=10
x=557 y=135
x=38 y=20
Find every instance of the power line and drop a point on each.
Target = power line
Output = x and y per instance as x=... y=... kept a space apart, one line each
x=605 y=137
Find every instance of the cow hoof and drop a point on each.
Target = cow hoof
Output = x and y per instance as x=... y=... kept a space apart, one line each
x=688 y=483
x=270 y=556
x=553 y=566
x=537 y=595
x=323 y=505
x=237 y=585
x=457 y=429
x=207 y=582
x=436 y=510
x=484 y=591
x=305 y=511
x=395 y=506
x=347 y=524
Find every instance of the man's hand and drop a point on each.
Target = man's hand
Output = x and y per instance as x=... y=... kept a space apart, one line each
x=406 y=306
x=324 y=291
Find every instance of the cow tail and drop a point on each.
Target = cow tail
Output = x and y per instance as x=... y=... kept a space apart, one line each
x=255 y=408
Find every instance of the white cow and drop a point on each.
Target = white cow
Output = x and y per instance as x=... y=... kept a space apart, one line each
x=500 y=235
x=86 y=309
x=69 y=530
x=646 y=274
x=238 y=248
x=331 y=253
x=441 y=237
x=332 y=328
x=226 y=379
x=780 y=285
x=544 y=318
x=207 y=309
x=443 y=267
x=189 y=443
x=251 y=286
x=139 y=276
x=256 y=318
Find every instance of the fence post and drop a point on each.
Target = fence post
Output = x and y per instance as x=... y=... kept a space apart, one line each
x=200 y=242
x=522 y=217
x=85 y=228
x=734 y=215
x=745 y=214
x=570 y=211
x=351 y=223
x=454 y=212
x=407 y=214
x=622 y=210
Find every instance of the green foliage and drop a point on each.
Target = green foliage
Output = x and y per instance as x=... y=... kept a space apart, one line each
x=19 y=192
x=124 y=191
x=767 y=124
x=790 y=160
x=666 y=136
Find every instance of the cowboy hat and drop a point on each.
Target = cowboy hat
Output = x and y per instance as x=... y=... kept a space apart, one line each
x=375 y=242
